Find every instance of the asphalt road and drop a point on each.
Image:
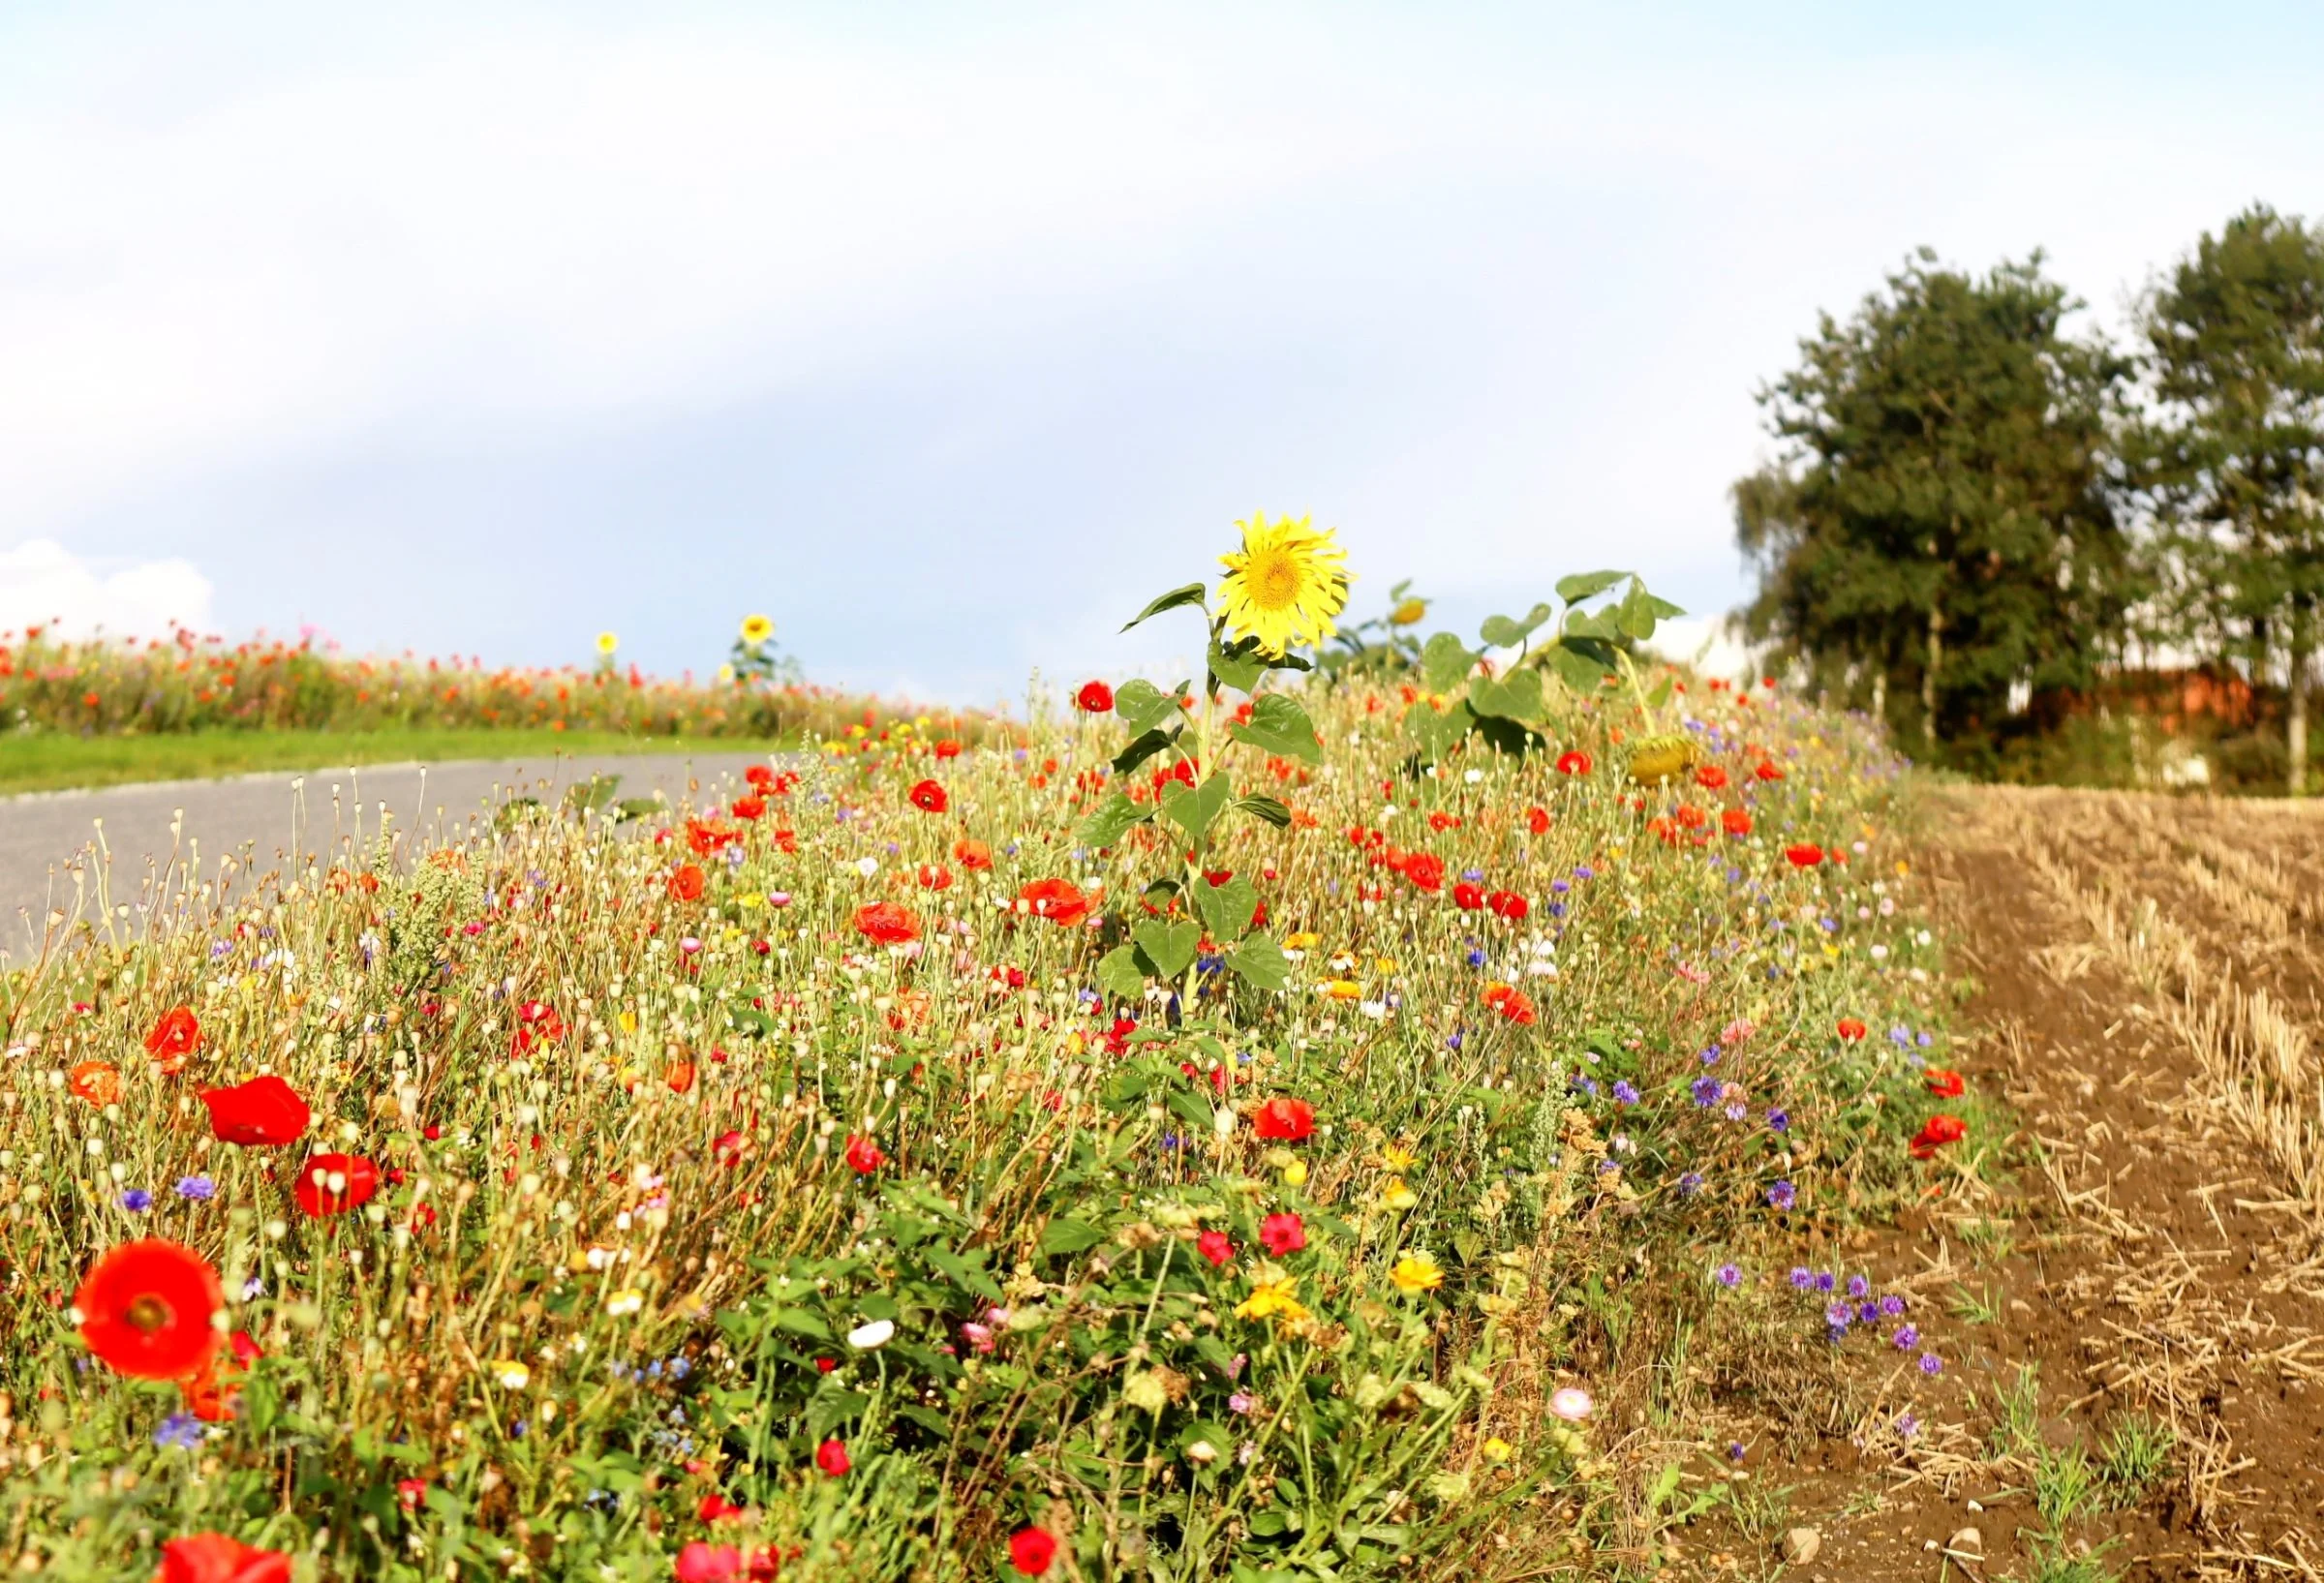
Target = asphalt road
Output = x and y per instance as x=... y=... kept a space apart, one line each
x=50 y=857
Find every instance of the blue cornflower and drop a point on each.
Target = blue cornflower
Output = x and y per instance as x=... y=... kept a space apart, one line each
x=1783 y=1194
x=1859 y=1286
x=1823 y=1281
x=1706 y=1091
x=180 y=1431
x=1476 y=959
x=1892 y=1305
x=196 y=1187
x=1623 y=1092
x=1691 y=1183
x=1802 y=1278
x=1930 y=1364
x=1728 y=1276
x=136 y=1201
x=1906 y=1338
x=1839 y=1316
x=1779 y=1121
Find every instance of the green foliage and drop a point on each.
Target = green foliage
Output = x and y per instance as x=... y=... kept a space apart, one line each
x=1938 y=529
x=2231 y=458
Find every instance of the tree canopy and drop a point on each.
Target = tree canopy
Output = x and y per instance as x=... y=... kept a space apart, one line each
x=1937 y=529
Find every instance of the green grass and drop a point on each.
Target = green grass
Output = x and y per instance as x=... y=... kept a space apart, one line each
x=43 y=762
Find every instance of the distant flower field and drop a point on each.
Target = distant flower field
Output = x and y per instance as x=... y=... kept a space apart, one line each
x=1240 y=1130
x=193 y=683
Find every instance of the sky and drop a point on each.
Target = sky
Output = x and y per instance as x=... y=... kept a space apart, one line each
x=947 y=335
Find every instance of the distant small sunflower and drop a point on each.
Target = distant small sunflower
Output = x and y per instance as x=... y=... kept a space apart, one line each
x=607 y=643
x=1285 y=585
x=756 y=629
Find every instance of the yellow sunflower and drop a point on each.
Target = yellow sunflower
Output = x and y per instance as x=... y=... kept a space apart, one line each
x=756 y=629
x=607 y=643
x=1286 y=585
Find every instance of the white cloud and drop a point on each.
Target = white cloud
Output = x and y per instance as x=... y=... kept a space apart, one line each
x=1712 y=647
x=44 y=584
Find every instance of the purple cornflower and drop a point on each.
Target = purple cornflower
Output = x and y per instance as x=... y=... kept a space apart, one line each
x=1625 y=1093
x=1823 y=1281
x=1892 y=1305
x=1710 y=1057
x=1906 y=1338
x=1908 y=1426
x=1839 y=1315
x=1930 y=1364
x=196 y=1187
x=1728 y=1276
x=1689 y=1184
x=136 y=1201
x=1706 y=1091
x=180 y=1431
x=1802 y=1278
x=1858 y=1287
x=1779 y=1120
x=1783 y=1194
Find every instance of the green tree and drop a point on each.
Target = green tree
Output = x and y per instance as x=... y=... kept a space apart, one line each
x=1937 y=529
x=2230 y=456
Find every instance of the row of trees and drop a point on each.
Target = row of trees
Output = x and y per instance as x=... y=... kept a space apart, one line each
x=1974 y=506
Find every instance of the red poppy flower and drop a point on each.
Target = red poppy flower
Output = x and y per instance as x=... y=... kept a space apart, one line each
x=214 y=1558
x=929 y=798
x=759 y=775
x=862 y=1155
x=700 y=1562
x=1936 y=1133
x=974 y=856
x=887 y=923
x=1766 y=770
x=1805 y=855
x=1944 y=1082
x=1031 y=1550
x=1094 y=698
x=749 y=808
x=1215 y=1247
x=176 y=1036
x=1059 y=899
x=1709 y=777
x=1467 y=897
x=1426 y=870
x=703 y=838
x=1689 y=816
x=687 y=883
x=1851 y=1030
x=146 y=1309
x=934 y=877
x=1537 y=820
x=1285 y=1120
x=1508 y=904
x=832 y=1457
x=1282 y=1234
x=1573 y=761
x=331 y=1184
x=536 y=1023
x=263 y=1111
x=948 y=749
x=1735 y=822
x=1511 y=1003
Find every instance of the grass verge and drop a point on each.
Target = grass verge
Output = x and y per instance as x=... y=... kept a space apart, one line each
x=43 y=762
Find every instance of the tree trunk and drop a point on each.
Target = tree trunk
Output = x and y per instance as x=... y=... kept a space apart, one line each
x=2295 y=714
x=1928 y=677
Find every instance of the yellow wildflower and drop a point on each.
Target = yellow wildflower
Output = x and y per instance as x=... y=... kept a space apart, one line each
x=1396 y=1157
x=1272 y=1297
x=1285 y=585
x=1396 y=1196
x=1415 y=1273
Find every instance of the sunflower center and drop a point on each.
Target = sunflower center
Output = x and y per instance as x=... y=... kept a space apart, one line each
x=1273 y=579
x=147 y=1313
